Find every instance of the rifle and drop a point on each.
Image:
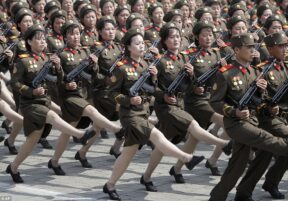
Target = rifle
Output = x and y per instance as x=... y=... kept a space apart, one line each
x=201 y=80
x=79 y=70
x=177 y=81
x=111 y=69
x=140 y=83
x=149 y=55
x=247 y=97
x=4 y=56
x=43 y=74
x=279 y=94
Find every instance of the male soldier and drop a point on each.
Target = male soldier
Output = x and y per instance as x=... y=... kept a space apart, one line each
x=276 y=44
x=241 y=123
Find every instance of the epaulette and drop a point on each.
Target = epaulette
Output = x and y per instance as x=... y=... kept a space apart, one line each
x=190 y=50
x=225 y=68
x=149 y=27
x=215 y=48
x=122 y=62
x=262 y=64
x=85 y=47
x=13 y=37
x=21 y=56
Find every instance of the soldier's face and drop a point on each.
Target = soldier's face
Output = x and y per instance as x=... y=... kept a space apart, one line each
x=122 y=17
x=216 y=10
x=138 y=24
x=275 y=27
x=108 y=8
x=25 y=23
x=166 y=5
x=206 y=38
x=39 y=6
x=58 y=23
x=73 y=38
x=245 y=53
x=67 y=5
x=137 y=46
x=139 y=7
x=38 y=43
x=90 y=19
x=239 y=28
x=185 y=10
x=108 y=32
x=173 y=41
x=278 y=51
x=267 y=13
x=177 y=20
x=158 y=15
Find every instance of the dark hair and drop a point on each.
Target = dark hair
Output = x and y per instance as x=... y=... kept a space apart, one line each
x=31 y=36
x=87 y=11
x=58 y=17
x=165 y=34
x=102 y=24
x=196 y=41
x=20 y=19
x=70 y=29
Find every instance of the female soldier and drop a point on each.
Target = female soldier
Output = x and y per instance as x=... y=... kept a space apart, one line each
x=74 y=106
x=35 y=104
x=134 y=112
x=121 y=15
x=156 y=15
x=137 y=6
x=173 y=120
x=105 y=82
x=107 y=7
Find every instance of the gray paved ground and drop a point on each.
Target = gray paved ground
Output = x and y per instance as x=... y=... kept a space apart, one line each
x=86 y=184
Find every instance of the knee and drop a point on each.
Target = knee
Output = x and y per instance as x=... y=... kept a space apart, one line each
x=52 y=115
x=90 y=110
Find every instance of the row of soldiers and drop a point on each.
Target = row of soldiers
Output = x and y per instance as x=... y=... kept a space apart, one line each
x=193 y=62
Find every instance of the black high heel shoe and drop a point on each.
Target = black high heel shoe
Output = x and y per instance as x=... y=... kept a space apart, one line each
x=12 y=149
x=15 y=176
x=112 y=193
x=57 y=170
x=84 y=162
x=112 y=152
x=179 y=179
x=148 y=185
x=194 y=161
x=6 y=127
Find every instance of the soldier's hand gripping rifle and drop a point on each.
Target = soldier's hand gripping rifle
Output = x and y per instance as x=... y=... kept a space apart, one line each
x=247 y=97
x=4 y=56
x=177 y=81
x=43 y=74
x=79 y=70
x=140 y=83
x=201 y=80
x=279 y=94
x=149 y=55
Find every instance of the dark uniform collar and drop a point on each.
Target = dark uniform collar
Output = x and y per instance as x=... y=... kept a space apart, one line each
x=171 y=55
x=37 y=56
x=242 y=68
x=57 y=35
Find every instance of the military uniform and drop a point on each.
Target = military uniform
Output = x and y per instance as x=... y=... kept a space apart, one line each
x=120 y=33
x=34 y=108
x=133 y=118
x=232 y=82
x=73 y=102
x=103 y=86
x=152 y=33
x=174 y=121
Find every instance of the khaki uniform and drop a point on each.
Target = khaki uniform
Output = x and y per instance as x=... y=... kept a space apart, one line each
x=119 y=34
x=133 y=118
x=34 y=108
x=174 y=121
x=105 y=88
x=73 y=102
x=232 y=82
x=88 y=38
x=198 y=105
x=152 y=33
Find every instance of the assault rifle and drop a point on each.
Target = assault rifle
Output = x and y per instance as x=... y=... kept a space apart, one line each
x=79 y=70
x=43 y=74
x=247 y=97
x=177 y=81
x=111 y=69
x=148 y=55
x=141 y=82
x=4 y=56
x=201 y=80
x=279 y=94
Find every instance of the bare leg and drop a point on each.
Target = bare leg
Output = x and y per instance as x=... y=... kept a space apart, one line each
x=7 y=96
x=188 y=147
x=61 y=145
x=99 y=120
x=56 y=108
x=63 y=126
x=202 y=135
x=154 y=160
x=26 y=149
x=121 y=165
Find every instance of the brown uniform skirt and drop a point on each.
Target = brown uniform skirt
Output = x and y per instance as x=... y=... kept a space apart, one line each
x=34 y=117
x=72 y=108
x=105 y=103
x=174 y=121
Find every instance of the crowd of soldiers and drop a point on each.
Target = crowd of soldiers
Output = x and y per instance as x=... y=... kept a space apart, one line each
x=81 y=65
